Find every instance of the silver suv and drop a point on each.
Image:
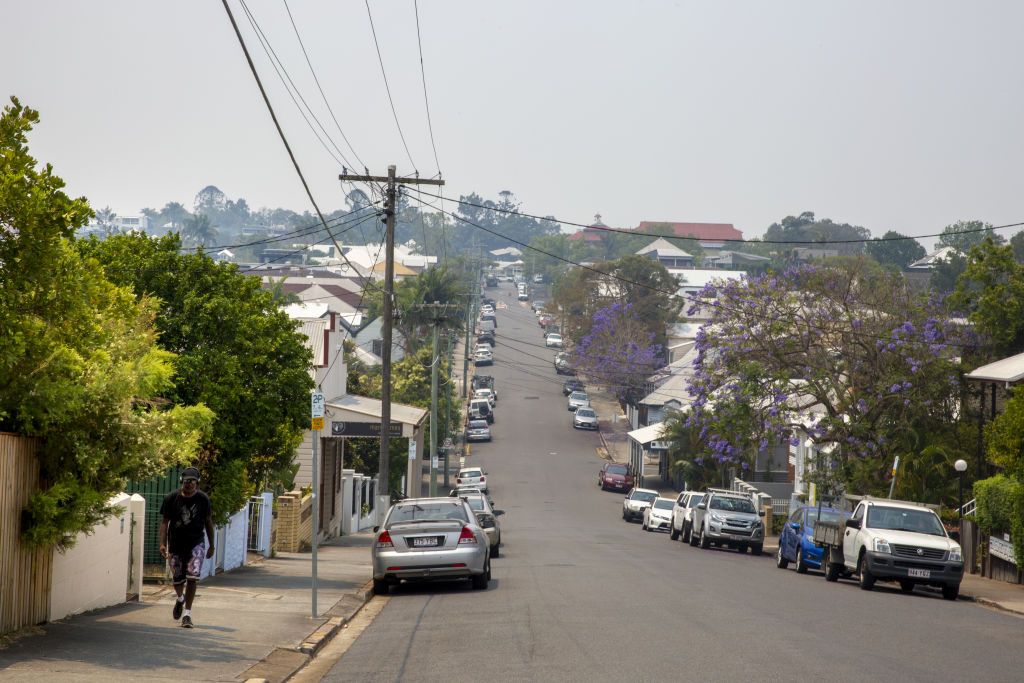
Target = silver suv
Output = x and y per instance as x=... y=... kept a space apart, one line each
x=682 y=515
x=728 y=518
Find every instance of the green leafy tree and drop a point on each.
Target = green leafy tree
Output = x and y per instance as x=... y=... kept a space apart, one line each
x=236 y=353
x=991 y=292
x=895 y=250
x=947 y=272
x=80 y=369
x=415 y=297
x=963 y=235
x=1017 y=242
x=798 y=230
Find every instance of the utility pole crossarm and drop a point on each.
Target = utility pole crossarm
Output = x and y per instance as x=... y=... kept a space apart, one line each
x=384 y=179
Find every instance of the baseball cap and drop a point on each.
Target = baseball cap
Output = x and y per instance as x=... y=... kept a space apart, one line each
x=190 y=473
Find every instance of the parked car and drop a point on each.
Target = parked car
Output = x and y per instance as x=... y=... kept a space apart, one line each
x=658 y=515
x=682 y=514
x=430 y=538
x=635 y=502
x=553 y=340
x=483 y=356
x=484 y=392
x=486 y=515
x=614 y=475
x=486 y=338
x=538 y=278
x=584 y=418
x=892 y=540
x=796 y=541
x=578 y=399
x=478 y=430
x=572 y=384
x=563 y=366
x=482 y=381
x=472 y=476
x=728 y=518
x=480 y=409
x=545 y=320
x=535 y=305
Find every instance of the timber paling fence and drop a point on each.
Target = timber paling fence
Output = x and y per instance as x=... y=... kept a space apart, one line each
x=25 y=575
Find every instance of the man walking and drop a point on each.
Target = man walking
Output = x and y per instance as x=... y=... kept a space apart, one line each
x=186 y=515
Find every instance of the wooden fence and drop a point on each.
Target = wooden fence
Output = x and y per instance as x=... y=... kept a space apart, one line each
x=25 y=575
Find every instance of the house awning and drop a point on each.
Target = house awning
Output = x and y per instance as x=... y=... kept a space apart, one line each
x=1007 y=371
x=351 y=408
x=648 y=434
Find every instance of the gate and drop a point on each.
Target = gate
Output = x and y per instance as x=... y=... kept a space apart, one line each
x=257 y=509
x=154 y=490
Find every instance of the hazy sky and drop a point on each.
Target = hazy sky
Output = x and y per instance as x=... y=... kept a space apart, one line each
x=901 y=116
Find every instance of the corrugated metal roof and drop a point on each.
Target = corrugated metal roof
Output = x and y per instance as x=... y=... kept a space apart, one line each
x=1008 y=370
x=647 y=434
x=371 y=407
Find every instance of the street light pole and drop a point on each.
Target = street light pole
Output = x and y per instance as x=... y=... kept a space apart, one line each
x=960 y=466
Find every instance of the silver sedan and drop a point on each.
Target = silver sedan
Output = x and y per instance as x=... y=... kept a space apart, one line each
x=584 y=418
x=430 y=538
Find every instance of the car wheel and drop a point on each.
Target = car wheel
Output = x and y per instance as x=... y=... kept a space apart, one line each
x=756 y=549
x=693 y=537
x=686 y=532
x=494 y=550
x=906 y=586
x=832 y=570
x=673 y=533
x=380 y=587
x=780 y=559
x=704 y=542
x=867 y=580
x=801 y=563
x=950 y=591
x=624 y=514
x=480 y=581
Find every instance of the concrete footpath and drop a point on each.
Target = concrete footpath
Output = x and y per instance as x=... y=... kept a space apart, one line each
x=614 y=427
x=254 y=622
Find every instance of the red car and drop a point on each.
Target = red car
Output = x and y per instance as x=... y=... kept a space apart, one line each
x=615 y=476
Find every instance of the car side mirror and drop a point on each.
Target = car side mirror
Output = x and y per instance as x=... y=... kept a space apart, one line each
x=376 y=529
x=853 y=524
x=794 y=526
x=702 y=506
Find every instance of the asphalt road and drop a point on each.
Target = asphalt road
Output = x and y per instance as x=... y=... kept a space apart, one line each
x=580 y=595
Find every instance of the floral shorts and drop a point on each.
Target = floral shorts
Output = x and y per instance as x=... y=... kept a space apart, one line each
x=187 y=567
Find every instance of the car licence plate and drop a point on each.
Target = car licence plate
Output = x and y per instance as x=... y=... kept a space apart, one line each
x=424 y=542
x=919 y=573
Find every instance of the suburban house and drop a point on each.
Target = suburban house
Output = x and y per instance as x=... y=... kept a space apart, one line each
x=668 y=255
x=712 y=237
x=346 y=417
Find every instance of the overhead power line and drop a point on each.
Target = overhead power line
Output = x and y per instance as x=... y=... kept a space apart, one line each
x=623 y=231
x=386 y=86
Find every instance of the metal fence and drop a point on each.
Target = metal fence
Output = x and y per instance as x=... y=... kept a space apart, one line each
x=257 y=509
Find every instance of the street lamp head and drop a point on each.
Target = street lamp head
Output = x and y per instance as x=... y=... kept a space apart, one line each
x=960 y=465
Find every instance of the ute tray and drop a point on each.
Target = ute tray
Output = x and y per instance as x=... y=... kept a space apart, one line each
x=828 y=534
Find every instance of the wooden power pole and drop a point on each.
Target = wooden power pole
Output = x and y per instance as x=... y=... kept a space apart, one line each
x=390 y=211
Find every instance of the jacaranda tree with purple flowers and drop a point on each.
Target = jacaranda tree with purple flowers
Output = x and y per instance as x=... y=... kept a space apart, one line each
x=619 y=351
x=844 y=355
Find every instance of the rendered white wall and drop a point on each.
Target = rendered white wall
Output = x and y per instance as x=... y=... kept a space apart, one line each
x=93 y=573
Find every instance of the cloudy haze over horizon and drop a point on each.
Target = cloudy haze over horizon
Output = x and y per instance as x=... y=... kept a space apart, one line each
x=892 y=116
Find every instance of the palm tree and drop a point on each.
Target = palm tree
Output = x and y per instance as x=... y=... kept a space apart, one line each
x=199 y=230
x=415 y=297
x=278 y=296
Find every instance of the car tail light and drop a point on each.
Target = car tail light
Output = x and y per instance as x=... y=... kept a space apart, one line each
x=466 y=536
x=481 y=480
x=458 y=481
x=384 y=540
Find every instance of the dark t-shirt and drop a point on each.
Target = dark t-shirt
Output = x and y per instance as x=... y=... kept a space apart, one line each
x=186 y=518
